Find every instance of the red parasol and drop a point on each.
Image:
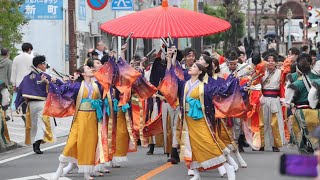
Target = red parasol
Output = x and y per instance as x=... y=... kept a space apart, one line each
x=158 y=22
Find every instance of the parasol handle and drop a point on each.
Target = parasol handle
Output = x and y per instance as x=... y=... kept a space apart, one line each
x=112 y=42
x=152 y=51
x=164 y=42
x=171 y=40
x=165 y=53
x=128 y=37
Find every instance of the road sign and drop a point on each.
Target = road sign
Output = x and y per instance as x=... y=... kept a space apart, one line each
x=318 y=13
x=315 y=15
x=97 y=4
x=82 y=10
x=122 y=5
x=43 y=10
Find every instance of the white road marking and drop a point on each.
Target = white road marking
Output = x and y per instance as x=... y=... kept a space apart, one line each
x=44 y=176
x=49 y=175
x=30 y=153
x=27 y=178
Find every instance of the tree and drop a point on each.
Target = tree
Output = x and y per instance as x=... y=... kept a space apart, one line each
x=219 y=12
x=230 y=11
x=257 y=21
x=11 y=22
x=236 y=18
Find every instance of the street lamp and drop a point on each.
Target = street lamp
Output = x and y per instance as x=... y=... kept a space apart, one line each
x=289 y=16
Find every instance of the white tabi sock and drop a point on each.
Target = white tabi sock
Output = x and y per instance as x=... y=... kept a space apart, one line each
x=190 y=172
x=196 y=175
x=222 y=170
x=243 y=164
x=69 y=168
x=230 y=171
x=59 y=171
x=232 y=162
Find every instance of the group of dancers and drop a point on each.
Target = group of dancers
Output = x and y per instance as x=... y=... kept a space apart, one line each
x=198 y=110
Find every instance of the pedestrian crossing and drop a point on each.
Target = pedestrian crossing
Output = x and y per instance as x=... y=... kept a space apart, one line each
x=40 y=176
x=17 y=128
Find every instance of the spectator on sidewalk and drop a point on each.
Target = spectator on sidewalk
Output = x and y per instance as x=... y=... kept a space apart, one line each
x=5 y=74
x=4 y=134
x=5 y=66
x=305 y=49
x=21 y=66
x=101 y=49
x=313 y=55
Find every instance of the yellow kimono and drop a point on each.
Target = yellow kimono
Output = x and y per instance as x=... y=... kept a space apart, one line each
x=83 y=137
x=5 y=138
x=125 y=137
x=207 y=150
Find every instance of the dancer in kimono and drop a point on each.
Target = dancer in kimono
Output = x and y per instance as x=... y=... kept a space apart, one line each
x=254 y=114
x=138 y=105
x=218 y=125
x=125 y=137
x=82 y=142
x=157 y=72
x=4 y=100
x=95 y=65
x=305 y=119
x=33 y=89
x=272 y=128
x=170 y=118
x=234 y=67
x=196 y=100
x=313 y=95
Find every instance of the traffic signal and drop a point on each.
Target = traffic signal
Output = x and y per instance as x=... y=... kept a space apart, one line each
x=301 y=25
x=304 y=1
x=309 y=25
x=309 y=8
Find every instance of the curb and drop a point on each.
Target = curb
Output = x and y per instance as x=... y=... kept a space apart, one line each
x=13 y=146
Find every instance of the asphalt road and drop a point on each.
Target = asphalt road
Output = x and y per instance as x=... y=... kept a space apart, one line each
x=261 y=165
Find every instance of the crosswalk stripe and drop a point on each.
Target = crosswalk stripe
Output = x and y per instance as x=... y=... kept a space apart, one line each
x=30 y=153
x=26 y=178
x=49 y=175
x=44 y=176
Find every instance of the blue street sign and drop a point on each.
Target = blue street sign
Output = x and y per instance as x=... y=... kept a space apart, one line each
x=82 y=10
x=43 y=9
x=122 y=5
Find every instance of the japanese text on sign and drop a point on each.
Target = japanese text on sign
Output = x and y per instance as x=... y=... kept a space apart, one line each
x=82 y=10
x=43 y=9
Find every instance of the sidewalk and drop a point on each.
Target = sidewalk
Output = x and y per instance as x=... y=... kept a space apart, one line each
x=17 y=128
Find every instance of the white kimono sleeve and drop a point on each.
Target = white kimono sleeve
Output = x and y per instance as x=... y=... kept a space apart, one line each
x=313 y=97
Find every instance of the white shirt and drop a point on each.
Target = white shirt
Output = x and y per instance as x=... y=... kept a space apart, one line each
x=100 y=54
x=226 y=71
x=313 y=97
x=263 y=45
x=20 y=68
x=274 y=81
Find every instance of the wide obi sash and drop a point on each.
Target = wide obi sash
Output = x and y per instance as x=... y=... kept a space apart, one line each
x=271 y=93
x=193 y=107
x=91 y=105
x=124 y=108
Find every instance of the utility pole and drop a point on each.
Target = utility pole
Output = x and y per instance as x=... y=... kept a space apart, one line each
x=72 y=36
x=248 y=15
x=256 y=25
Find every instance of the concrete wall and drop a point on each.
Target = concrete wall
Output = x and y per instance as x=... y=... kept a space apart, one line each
x=47 y=38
